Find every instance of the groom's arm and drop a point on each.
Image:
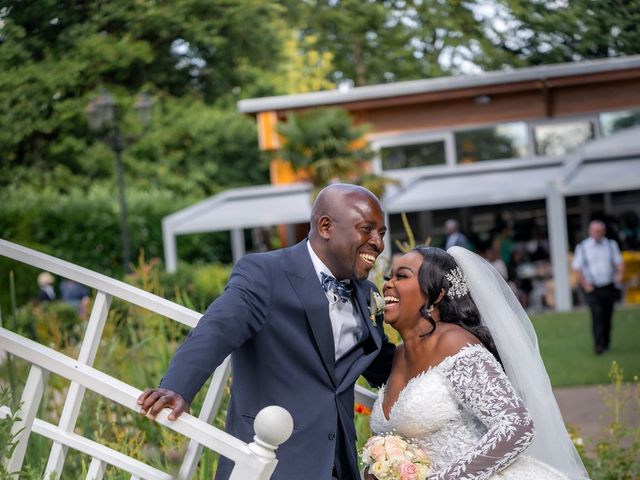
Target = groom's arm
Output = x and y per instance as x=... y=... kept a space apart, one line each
x=236 y=316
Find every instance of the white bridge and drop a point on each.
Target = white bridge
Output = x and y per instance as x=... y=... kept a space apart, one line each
x=254 y=461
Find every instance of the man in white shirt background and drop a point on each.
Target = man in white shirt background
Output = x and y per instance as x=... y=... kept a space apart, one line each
x=599 y=266
x=455 y=238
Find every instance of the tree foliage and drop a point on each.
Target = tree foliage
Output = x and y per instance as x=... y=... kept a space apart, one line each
x=325 y=145
x=378 y=42
x=54 y=56
x=535 y=32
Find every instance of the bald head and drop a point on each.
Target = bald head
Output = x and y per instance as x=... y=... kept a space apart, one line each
x=347 y=230
x=337 y=197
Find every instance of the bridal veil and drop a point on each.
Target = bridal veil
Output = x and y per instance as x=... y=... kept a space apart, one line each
x=517 y=345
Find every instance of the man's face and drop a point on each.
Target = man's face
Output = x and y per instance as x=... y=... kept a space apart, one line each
x=355 y=237
x=596 y=231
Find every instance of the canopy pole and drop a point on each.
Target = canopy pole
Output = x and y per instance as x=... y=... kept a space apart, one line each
x=170 y=247
x=559 y=245
x=237 y=244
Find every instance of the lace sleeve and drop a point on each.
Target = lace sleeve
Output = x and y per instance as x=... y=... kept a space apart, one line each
x=483 y=389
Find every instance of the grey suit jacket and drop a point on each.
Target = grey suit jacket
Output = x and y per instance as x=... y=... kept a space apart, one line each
x=273 y=317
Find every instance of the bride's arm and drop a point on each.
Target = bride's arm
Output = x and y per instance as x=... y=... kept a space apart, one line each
x=483 y=388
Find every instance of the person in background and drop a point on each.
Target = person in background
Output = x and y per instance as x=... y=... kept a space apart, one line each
x=455 y=238
x=46 y=293
x=491 y=256
x=76 y=295
x=599 y=266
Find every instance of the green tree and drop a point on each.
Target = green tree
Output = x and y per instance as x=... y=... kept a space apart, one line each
x=378 y=42
x=326 y=145
x=54 y=55
x=535 y=32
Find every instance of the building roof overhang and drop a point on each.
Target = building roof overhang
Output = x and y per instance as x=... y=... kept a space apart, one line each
x=539 y=77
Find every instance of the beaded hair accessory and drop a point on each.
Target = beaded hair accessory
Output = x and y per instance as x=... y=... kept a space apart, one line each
x=458 y=284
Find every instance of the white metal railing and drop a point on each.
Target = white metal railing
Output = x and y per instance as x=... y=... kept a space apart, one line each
x=252 y=461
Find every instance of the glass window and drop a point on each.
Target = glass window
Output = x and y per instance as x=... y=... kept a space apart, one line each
x=613 y=122
x=418 y=155
x=497 y=142
x=561 y=138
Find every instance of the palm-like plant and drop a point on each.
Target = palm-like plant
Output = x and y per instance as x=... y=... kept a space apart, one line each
x=327 y=147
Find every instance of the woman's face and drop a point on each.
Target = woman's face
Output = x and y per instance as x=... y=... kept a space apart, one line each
x=402 y=294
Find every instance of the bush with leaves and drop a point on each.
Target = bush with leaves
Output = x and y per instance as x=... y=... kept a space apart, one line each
x=615 y=454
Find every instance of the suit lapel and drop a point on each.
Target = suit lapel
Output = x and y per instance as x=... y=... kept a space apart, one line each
x=304 y=281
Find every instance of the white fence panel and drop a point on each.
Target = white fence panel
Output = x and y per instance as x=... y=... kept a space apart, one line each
x=71 y=408
x=107 y=455
x=271 y=424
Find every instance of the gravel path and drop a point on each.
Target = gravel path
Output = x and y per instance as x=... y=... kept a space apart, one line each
x=584 y=407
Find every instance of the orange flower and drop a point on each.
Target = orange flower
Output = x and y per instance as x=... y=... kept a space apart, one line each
x=359 y=408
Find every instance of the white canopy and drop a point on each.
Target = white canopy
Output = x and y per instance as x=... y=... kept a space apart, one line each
x=246 y=207
x=235 y=210
x=479 y=187
x=605 y=176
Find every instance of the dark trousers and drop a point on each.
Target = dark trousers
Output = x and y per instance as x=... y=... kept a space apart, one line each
x=601 y=301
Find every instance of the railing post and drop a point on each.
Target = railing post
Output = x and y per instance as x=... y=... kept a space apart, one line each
x=72 y=404
x=96 y=470
x=31 y=397
x=273 y=426
x=207 y=413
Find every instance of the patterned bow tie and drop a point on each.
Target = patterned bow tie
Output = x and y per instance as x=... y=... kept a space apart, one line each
x=342 y=289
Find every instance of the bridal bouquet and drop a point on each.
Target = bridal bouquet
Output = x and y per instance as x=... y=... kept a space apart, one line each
x=390 y=457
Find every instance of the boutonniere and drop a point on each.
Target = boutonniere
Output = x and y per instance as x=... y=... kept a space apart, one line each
x=376 y=307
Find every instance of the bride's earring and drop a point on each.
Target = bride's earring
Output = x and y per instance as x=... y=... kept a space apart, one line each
x=426 y=311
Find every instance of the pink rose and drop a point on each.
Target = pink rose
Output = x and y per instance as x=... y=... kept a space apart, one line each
x=408 y=471
x=391 y=441
x=377 y=452
x=375 y=440
x=394 y=452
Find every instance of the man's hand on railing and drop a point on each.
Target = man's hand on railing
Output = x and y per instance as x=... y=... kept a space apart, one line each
x=153 y=400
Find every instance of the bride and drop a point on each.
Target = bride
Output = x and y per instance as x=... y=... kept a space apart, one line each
x=468 y=384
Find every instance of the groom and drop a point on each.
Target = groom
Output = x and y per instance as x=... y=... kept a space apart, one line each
x=298 y=338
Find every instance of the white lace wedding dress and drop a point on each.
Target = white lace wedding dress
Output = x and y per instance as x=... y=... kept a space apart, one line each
x=468 y=418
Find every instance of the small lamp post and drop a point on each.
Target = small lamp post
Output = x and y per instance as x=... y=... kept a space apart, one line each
x=103 y=116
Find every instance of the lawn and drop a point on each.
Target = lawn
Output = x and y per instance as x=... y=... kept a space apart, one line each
x=567 y=350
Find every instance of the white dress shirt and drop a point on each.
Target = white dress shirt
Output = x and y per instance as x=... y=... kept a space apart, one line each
x=345 y=321
x=597 y=260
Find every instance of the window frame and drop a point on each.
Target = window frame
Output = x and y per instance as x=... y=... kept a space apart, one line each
x=385 y=140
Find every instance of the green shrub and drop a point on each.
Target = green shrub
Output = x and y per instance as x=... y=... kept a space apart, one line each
x=84 y=229
x=615 y=455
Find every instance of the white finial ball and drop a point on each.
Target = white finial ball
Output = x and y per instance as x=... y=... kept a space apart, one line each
x=273 y=425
